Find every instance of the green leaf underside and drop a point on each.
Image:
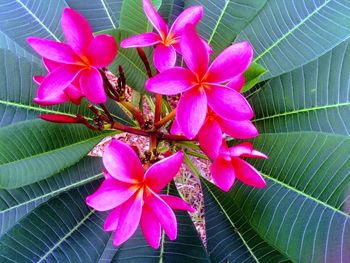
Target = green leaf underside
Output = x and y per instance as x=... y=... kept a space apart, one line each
x=62 y=230
x=135 y=71
x=186 y=248
x=170 y=10
x=133 y=18
x=287 y=34
x=16 y=203
x=224 y=19
x=34 y=150
x=230 y=238
x=314 y=97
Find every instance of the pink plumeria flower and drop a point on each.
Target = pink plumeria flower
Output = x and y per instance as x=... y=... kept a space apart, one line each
x=77 y=60
x=134 y=195
x=167 y=41
x=203 y=85
x=228 y=166
x=71 y=93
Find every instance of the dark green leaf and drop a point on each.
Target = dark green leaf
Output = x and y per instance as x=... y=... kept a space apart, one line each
x=62 y=230
x=287 y=34
x=16 y=203
x=34 y=150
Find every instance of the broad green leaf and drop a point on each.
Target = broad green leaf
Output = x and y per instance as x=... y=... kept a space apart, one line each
x=223 y=20
x=16 y=203
x=312 y=98
x=20 y=19
x=101 y=14
x=34 y=150
x=287 y=34
x=186 y=248
x=133 y=18
x=170 y=9
x=253 y=75
x=135 y=71
x=62 y=230
x=303 y=211
x=230 y=238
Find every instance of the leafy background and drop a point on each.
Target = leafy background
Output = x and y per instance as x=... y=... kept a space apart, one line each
x=301 y=110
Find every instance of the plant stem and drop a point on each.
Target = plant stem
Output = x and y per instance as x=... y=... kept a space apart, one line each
x=167 y=118
x=144 y=59
x=134 y=111
x=121 y=127
x=108 y=114
x=158 y=108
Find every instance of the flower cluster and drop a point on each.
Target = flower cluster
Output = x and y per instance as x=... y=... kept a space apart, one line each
x=210 y=109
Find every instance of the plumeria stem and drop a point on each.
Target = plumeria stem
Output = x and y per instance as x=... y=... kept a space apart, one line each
x=144 y=59
x=121 y=127
x=108 y=114
x=167 y=118
x=134 y=111
x=110 y=90
x=158 y=108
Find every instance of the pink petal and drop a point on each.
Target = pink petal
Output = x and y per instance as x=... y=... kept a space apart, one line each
x=107 y=175
x=191 y=112
x=150 y=227
x=191 y=16
x=170 y=82
x=112 y=219
x=51 y=65
x=122 y=163
x=155 y=18
x=162 y=172
x=77 y=31
x=223 y=173
x=129 y=218
x=194 y=51
x=74 y=94
x=102 y=51
x=164 y=214
x=56 y=51
x=38 y=79
x=245 y=149
x=164 y=57
x=91 y=84
x=141 y=40
x=59 y=118
x=238 y=129
x=231 y=62
x=228 y=103
x=51 y=89
x=175 y=128
x=237 y=83
x=177 y=203
x=247 y=173
x=210 y=138
x=111 y=194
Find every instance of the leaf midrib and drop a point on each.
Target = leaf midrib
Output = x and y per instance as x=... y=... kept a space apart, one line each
x=324 y=107
x=108 y=14
x=62 y=189
x=81 y=222
x=218 y=21
x=306 y=195
x=291 y=30
x=53 y=151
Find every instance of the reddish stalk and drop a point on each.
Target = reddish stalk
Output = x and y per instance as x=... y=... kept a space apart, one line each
x=134 y=111
x=144 y=59
x=167 y=118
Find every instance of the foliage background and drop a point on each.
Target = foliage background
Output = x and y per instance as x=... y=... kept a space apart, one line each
x=302 y=113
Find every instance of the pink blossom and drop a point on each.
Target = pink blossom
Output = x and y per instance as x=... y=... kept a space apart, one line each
x=59 y=118
x=134 y=195
x=203 y=85
x=228 y=166
x=76 y=61
x=167 y=41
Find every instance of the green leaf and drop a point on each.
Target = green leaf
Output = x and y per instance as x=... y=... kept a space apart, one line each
x=186 y=248
x=303 y=210
x=170 y=9
x=287 y=34
x=223 y=20
x=252 y=76
x=16 y=203
x=62 y=230
x=312 y=98
x=101 y=14
x=20 y=19
x=133 y=66
x=133 y=18
x=230 y=238
x=34 y=150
